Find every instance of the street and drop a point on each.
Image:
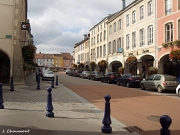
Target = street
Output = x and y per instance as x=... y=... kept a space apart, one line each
x=132 y=106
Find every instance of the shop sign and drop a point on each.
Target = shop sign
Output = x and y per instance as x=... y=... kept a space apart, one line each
x=145 y=51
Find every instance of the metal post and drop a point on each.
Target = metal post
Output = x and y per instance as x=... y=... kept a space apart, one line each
x=49 y=107
x=107 y=119
x=52 y=84
x=165 y=122
x=56 y=80
x=12 y=84
x=1 y=97
x=38 y=83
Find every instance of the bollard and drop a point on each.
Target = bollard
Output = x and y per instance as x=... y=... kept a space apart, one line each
x=49 y=107
x=36 y=75
x=52 y=84
x=56 y=80
x=38 y=83
x=11 y=84
x=1 y=97
x=165 y=122
x=107 y=119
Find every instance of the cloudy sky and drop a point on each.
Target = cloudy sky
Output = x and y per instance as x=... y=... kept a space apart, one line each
x=57 y=25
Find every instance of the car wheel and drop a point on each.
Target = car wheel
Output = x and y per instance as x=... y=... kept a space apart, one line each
x=160 y=89
x=88 y=78
x=118 y=83
x=142 y=87
x=179 y=92
x=101 y=80
x=127 y=84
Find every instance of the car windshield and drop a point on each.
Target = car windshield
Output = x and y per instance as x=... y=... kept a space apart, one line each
x=49 y=73
x=135 y=76
x=98 y=72
x=170 y=78
x=116 y=74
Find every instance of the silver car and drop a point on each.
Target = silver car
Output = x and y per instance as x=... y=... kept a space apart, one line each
x=85 y=74
x=160 y=82
x=49 y=75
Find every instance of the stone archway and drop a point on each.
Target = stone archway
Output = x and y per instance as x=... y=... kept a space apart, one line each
x=4 y=67
x=165 y=66
x=114 y=65
x=146 y=61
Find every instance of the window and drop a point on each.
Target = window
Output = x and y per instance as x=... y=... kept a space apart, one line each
x=114 y=27
x=168 y=8
x=110 y=29
x=104 y=34
x=127 y=20
x=133 y=17
x=119 y=43
x=100 y=36
x=157 y=77
x=141 y=12
x=100 y=51
x=179 y=4
x=97 y=52
x=150 y=35
x=91 y=41
x=114 y=46
x=141 y=37
x=134 y=40
x=104 y=50
x=169 y=32
x=94 y=40
x=127 y=42
x=119 y=24
x=150 y=8
x=109 y=48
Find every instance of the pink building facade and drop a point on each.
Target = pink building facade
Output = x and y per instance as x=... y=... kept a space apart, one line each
x=168 y=31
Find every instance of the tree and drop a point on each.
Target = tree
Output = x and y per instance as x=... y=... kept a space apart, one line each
x=28 y=53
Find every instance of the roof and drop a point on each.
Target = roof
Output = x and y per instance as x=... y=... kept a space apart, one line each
x=79 y=43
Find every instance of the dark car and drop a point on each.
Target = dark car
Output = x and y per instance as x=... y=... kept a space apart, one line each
x=77 y=73
x=70 y=73
x=129 y=80
x=110 y=77
x=95 y=75
x=85 y=74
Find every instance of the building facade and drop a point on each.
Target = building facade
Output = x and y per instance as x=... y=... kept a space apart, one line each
x=168 y=24
x=15 y=33
x=58 y=61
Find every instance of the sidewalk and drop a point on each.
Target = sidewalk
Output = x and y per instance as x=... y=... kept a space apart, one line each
x=25 y=110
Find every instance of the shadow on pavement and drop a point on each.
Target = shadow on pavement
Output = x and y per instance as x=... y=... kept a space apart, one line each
x=157 y=132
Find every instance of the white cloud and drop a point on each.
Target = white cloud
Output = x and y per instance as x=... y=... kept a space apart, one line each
x=57 y=25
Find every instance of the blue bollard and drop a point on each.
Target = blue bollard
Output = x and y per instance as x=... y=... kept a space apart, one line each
x=1 y=97
x=36 y=76
x=38 y=83
x=52 y=84
x=165 y=122
x=49 y=107
x=56 y=80
x=107 y=119
x=12 y=84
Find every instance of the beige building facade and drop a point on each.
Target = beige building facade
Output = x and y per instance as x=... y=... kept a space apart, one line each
x=13 y=36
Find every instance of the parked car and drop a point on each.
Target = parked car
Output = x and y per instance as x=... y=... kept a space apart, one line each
x=77 y=73
x=70 y=73
x=44 y=71
x=110 y=77
x=85 y=74
x=67 y=70
x=95 y=75
x=129 y=80
x=178 y=90
x=48 y=75
x=160 y=82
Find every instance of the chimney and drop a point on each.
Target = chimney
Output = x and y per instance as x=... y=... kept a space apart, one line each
x=85 y=36
x=123 y=4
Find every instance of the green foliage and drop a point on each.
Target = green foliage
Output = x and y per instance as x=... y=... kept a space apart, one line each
x=28 y=53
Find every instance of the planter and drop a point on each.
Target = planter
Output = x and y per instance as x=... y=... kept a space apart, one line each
x=131 y=60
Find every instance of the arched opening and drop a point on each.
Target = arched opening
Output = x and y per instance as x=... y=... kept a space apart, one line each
x=114 y=65
x=146 y=62
x=4 y=68
x=166 y=66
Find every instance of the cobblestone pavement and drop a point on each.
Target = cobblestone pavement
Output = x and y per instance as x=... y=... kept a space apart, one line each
x=66 y=103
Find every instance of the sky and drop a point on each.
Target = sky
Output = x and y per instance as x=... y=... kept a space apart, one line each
x=57 y=25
